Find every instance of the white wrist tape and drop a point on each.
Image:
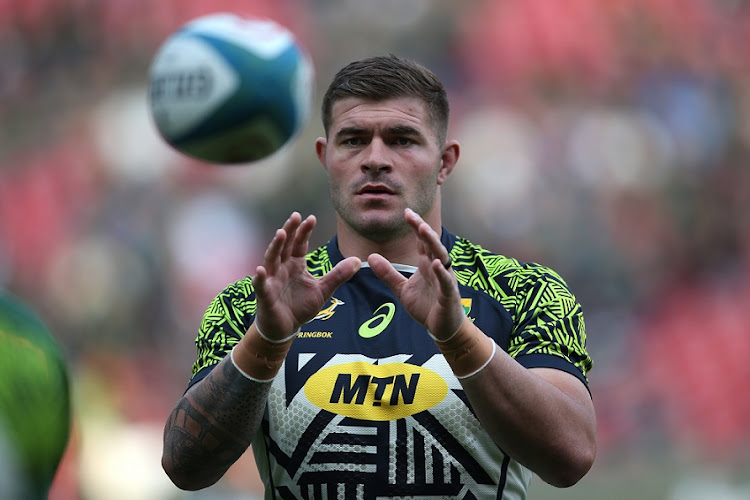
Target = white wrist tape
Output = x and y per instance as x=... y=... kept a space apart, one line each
x=446 y=339
x=243 y=373
x=494 y=350
x=274 y=341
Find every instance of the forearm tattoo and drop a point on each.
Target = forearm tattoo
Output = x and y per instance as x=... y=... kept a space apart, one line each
x=213 y=424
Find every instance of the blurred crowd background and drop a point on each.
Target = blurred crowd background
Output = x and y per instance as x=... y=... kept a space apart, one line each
x=609 y=140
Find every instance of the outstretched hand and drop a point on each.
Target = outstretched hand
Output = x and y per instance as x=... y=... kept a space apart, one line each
x=431 y=294
x=288 y=295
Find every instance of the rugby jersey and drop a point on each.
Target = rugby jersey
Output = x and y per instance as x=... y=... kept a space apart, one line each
x=366 y=407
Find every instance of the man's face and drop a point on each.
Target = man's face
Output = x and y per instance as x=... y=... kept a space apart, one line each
x=381 y=157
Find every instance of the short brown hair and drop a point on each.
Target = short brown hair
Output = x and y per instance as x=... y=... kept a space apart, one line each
x=386 y=77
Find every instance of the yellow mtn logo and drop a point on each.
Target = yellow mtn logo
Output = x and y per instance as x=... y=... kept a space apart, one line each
x=366 y=391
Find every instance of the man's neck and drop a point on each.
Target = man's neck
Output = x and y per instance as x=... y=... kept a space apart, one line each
x=401 y=249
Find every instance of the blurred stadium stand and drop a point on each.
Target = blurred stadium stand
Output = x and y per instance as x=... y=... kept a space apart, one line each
x=609 y=140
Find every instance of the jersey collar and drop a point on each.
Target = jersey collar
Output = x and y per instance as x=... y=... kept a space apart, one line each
x=447 y=238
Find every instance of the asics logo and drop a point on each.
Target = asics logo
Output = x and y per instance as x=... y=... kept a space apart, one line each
x=379 y=321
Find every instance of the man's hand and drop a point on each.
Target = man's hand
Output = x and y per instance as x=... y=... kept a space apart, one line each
x=288 y=295
x=431 y=294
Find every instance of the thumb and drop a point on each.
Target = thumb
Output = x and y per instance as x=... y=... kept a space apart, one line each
x=341 y=272
x=386 y=272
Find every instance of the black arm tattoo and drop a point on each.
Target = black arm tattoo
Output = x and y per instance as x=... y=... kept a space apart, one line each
x=212 y=425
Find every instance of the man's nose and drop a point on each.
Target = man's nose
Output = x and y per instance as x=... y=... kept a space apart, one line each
x=377 y=156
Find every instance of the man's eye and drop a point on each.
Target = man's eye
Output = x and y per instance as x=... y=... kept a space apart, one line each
x=352 y=141
x=403 y=141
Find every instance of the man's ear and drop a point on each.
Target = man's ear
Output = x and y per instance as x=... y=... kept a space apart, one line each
x=448 y=160
x=320 y=150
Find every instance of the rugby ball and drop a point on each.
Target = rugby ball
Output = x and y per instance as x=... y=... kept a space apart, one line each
x=228 y=89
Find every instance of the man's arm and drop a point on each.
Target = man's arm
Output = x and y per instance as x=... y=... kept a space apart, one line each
x=214 y=422
x=211 y=426
x=543 y=418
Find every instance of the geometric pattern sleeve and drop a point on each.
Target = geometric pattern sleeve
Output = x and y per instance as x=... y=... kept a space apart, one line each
x=225 y=322
x=547 y=319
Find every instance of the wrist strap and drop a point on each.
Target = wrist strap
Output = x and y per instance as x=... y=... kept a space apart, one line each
x=244 y=373
x=492 y=355
x=468 y=351
x=450 y=337
x=258 y=358
x=274 y=341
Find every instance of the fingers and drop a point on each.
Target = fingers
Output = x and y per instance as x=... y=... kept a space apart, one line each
x=289 y=229
x=272 y=257
x=289 y=241
x=301 y=238
x=446 y=278
x=341 y=272
x=386 y=272
x=429 y=243
x=279 y=244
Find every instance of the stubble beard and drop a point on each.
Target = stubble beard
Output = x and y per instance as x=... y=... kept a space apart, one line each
x=381 y=226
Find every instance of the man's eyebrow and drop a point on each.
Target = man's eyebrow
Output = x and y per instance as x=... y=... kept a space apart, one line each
x=397 y=130
x=351 y=131
x=404 y=130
